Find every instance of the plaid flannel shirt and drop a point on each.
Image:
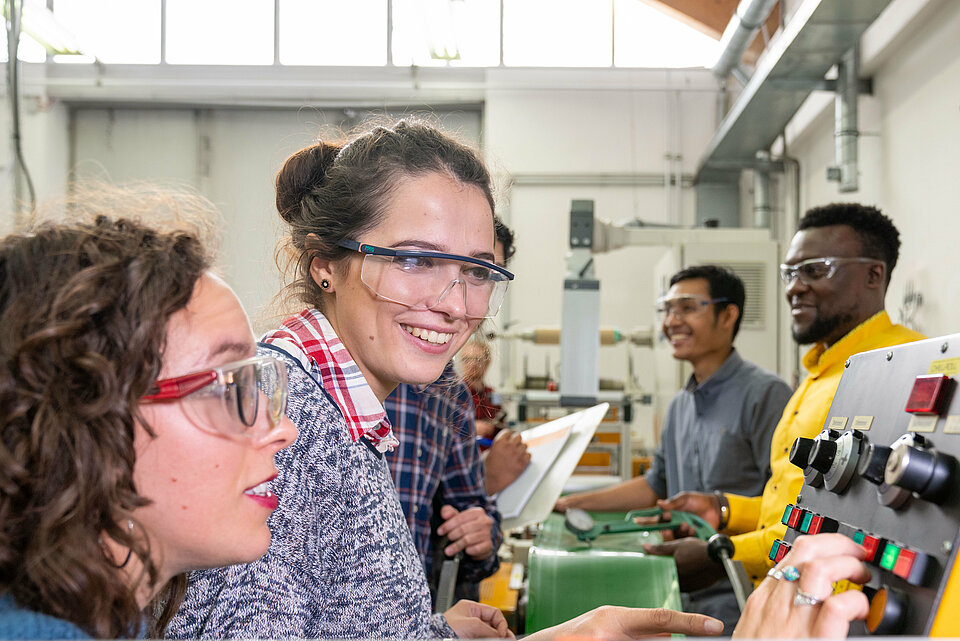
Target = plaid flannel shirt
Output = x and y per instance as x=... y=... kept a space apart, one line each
x=341 y=375
x=438 y=453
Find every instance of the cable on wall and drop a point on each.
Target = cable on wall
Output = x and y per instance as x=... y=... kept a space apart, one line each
x=13 y=17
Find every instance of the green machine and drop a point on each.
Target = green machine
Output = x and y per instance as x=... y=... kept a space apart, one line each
x=585 y=560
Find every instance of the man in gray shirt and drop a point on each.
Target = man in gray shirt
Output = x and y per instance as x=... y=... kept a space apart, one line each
x=717 y=430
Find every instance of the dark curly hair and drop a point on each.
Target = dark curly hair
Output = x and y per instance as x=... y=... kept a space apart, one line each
x=878 y=235
x=338 y=191
x=83 y=315
x=505 y=237
x=721 y=283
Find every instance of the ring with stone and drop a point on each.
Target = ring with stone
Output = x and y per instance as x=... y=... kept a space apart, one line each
x=804 y=598
x=791 y=573
x=774 y=573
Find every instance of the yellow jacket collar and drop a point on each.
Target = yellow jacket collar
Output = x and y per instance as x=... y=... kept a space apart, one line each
x=819 y=358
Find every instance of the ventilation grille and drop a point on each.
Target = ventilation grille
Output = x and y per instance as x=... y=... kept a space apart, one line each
x=754 y=277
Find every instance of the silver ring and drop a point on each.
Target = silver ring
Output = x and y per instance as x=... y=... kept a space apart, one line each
x=804 y=598
x=774 y=573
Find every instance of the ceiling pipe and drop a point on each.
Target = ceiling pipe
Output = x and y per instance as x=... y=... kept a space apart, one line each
x=746 y=20
x=847 y=126
x=761 y=191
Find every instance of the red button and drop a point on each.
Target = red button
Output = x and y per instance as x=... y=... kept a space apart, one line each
x=911 y=566
x=815 y=524
x=927 y=394
x=871 y=544
x=782 y=552
x=904 y=563
x=795 y=518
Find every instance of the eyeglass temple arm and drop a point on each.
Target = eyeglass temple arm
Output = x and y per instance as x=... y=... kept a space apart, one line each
x=181 y=386
x=365 y=249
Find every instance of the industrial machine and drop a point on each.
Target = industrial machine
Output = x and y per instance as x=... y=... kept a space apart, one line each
x=884 y=471
x=569 y=576
x=596 y=559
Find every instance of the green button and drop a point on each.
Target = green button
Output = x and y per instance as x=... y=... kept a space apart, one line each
x=805 y=526
x=786 y=515
x=858 y=538
x=889 y=559
x=773 y=550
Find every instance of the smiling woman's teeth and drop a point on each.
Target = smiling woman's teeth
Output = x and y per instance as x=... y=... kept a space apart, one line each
x=260 y=490
x=428 y=335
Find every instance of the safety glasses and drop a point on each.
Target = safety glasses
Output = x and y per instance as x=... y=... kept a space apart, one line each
x=683 y=306
x=421 y=279
x=814 y=269
x=226 y=399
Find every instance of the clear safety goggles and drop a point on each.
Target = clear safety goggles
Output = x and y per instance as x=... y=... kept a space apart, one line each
x=685 y=305
x=421 y=279
x=814 y=269
x=226 y=399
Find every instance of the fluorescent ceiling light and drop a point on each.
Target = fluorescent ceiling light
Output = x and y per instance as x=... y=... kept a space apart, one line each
x=39 y=23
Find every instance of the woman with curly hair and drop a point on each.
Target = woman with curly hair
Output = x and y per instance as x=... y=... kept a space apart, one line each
x=135 y=444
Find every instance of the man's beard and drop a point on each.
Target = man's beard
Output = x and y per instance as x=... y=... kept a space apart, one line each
x=822 y=327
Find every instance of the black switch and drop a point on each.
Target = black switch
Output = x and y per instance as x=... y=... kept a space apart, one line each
x=800 y=452
x=822 y=455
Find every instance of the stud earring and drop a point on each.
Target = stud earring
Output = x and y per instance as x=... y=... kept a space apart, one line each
x=325 y=283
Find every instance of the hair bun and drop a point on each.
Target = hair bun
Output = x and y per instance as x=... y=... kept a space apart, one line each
x=300 y=174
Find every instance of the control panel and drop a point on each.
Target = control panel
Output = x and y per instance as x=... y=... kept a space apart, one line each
x=884 y=471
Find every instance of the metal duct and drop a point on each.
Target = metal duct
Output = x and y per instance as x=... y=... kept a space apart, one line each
x=761 y=192
x=846 y=129
x=748 y=17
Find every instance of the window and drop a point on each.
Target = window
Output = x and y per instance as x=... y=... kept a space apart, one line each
x=461 y=33
x=646 y=37
x=131 y=34
x=557 y=33
x=333 y=32
x=455 y=33
x=214 y=32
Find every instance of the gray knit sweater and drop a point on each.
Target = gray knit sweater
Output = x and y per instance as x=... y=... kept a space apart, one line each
x=341 y=563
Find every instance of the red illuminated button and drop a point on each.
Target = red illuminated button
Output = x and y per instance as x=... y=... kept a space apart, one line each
x=782 y=551
x=870 y=543
x=911 y=566
x=927 y=394
x=795 y=517
x=814 y=526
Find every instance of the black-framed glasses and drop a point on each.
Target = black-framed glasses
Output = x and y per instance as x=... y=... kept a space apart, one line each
x=814 y=269
x=235 y=386
x=421 y=279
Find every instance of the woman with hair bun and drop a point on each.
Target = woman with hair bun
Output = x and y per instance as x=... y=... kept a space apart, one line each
x=134 y=443
x=393 y=238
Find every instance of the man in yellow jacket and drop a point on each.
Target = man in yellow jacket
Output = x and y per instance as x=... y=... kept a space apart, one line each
x=836 y=274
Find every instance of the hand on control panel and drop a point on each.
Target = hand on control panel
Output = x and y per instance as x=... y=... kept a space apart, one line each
x=775 y=609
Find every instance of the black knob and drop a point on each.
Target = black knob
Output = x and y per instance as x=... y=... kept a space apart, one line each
x=719 y=545
x=822 y=455
x=873 y=463
x=800 y=452
x=888 y=611
x=927 y=472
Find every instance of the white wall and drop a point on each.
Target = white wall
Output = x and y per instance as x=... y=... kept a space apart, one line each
x=909 y=155
x=44 y=132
